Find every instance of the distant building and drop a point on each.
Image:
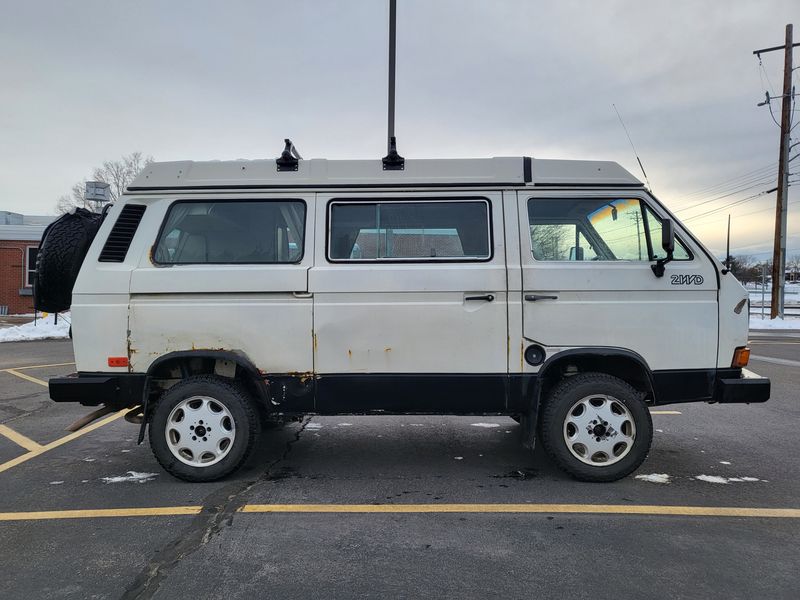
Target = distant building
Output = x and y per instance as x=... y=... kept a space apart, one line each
x=19 y=244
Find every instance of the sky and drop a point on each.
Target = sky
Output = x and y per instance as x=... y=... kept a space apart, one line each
x=88 y=81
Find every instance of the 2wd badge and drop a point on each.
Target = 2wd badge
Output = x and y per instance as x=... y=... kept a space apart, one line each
x=686 y=279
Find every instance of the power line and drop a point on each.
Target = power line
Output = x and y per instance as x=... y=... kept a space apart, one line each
x=737 y=216
x=730 y=180
x=727 y=195
x=734 y=203
x=734 y=184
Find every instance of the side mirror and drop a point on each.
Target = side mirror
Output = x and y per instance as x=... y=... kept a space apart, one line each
x=668 y=236
x=576 y=253
x=668 y=244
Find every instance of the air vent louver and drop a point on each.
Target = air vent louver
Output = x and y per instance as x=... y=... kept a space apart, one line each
x=119 y=240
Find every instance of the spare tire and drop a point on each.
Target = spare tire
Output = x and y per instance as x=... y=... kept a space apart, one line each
x=62 y=249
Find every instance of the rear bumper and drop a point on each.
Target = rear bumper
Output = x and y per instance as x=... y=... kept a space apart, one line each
x=746 y=388
x=93 y=389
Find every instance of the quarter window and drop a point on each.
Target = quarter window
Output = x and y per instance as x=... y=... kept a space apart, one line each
x=232 y=232
x=579 y=229
x=410 y=231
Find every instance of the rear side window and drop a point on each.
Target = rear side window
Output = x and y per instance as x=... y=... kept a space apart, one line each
x=582 y=229
x=410 y=231
x=232 y=232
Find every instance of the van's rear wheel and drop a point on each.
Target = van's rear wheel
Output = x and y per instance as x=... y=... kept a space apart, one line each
x=596 y=427
x=203 y=428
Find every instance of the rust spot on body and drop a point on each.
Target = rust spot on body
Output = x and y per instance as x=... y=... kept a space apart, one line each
x=349 y=353
x=304 y=377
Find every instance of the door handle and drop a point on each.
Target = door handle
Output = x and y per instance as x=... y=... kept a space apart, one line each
x=535 y=297
x=485 y=298
x=302 y=294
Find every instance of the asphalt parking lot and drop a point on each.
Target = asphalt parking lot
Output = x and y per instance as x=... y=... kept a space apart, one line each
x=376 y=507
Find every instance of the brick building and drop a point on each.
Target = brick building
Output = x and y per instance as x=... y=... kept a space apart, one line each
x=19 y=243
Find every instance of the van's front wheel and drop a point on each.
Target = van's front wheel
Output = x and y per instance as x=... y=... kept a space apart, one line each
x=596 y=427
x=203 y=428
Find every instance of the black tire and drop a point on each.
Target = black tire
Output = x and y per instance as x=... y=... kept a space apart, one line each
x=224 y=392
x=61 y=252
x=565 y=396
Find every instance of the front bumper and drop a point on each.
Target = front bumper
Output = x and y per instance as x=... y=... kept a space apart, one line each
x=748 y=387
x=118 y=390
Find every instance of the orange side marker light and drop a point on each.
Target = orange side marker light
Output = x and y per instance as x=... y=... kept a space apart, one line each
x=741 y=356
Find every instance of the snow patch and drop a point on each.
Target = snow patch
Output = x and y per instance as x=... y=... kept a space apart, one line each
x=485 y=424
x=654 y=478
x=344 y=425
x=718 y=479
x=43 y=329
x=56 y=482
x=724 y=462
x=459 y=457
x=789 y=323
x=132 y=477
x=712 y=478
x=314 y=426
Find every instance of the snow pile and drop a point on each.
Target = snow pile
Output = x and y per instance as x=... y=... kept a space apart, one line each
x=488 y=425
x=44 y=328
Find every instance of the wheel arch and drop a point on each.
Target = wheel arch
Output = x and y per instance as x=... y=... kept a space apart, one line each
x=187 y=361
x=625 y=364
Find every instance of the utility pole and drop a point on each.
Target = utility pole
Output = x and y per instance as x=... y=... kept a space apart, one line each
x=779 y=253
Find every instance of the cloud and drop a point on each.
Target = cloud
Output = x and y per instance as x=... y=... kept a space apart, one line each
x=91 y=81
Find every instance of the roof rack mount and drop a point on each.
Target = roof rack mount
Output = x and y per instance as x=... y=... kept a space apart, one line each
x=290 y=158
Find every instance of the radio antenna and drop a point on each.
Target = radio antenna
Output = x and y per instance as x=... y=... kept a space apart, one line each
x=392 y=161
x=636 y=154
x=728 y=248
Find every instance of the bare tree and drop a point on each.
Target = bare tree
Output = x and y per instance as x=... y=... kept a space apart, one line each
x=744 y=269
x=793 y=265
x=75 y=199
x=117 y=173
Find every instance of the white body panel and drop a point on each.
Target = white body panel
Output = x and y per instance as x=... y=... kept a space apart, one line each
x=99 y=330
x=260 y=310
x=620 y=304
x=734 y=318
x=410 y=318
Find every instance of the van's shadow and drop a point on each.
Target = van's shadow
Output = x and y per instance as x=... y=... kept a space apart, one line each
x=382 y=458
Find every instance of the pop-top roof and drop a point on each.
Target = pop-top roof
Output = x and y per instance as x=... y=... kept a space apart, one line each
x=321 y=173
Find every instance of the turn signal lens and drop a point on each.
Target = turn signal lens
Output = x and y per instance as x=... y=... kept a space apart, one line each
x=741 y=356
x=117 y=361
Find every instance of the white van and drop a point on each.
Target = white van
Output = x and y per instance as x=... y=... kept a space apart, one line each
x=217 y=295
